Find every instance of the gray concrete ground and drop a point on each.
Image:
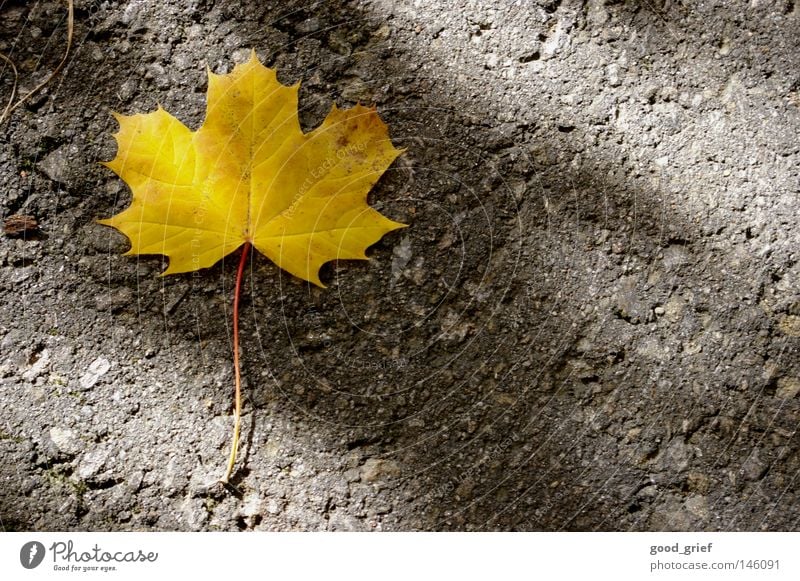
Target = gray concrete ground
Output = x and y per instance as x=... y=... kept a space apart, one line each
x=592 y=323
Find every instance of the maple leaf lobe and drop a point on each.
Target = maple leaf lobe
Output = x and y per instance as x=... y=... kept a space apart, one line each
x=249 y=174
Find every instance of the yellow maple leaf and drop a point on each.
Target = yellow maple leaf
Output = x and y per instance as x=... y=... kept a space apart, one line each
x=250 y=175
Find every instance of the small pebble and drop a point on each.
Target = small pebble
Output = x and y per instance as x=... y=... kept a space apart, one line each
x=65 y=440
x=97 y=369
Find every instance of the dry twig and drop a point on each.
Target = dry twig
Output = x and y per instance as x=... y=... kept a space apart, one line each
x=11 y=106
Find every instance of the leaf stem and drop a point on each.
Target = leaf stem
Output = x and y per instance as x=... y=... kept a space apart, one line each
x=237 y=412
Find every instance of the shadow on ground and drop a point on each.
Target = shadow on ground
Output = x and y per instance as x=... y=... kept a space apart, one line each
x=581 y=330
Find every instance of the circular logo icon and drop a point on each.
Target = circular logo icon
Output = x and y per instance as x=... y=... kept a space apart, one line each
x=31 y=554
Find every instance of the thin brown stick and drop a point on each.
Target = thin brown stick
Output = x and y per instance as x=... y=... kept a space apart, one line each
x=11 y=108
x=237 y=412
x=7 y=110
